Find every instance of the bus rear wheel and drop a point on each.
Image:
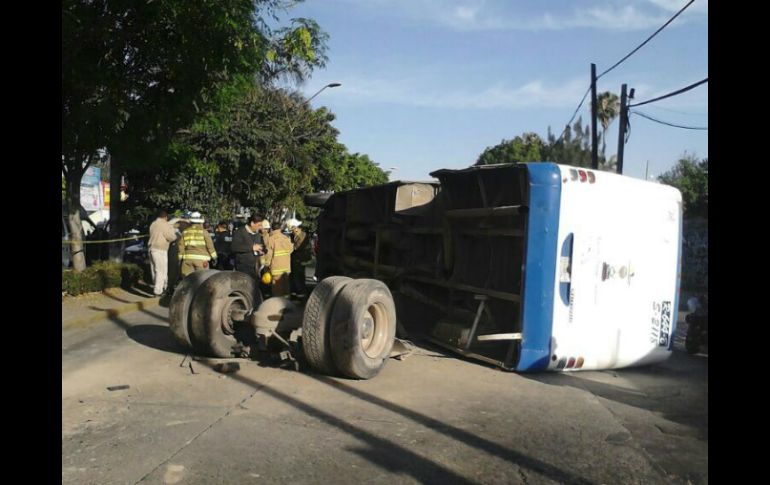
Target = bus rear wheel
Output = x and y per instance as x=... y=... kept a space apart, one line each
x=363 y=328
x=179 y=307
x=218 y=312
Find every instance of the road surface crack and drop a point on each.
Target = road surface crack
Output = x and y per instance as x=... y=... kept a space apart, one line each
x=523 y=476
x=194 y=438
x=639 y=446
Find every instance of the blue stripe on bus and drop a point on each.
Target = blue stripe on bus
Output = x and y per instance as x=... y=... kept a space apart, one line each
x=540 y=267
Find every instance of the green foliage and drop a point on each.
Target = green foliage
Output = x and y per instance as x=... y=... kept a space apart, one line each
x=263 y=150
x=525 y=148
x=607 y=109
x=134 y=73
x=100 y=276
x=690 y=176
x=574 y=148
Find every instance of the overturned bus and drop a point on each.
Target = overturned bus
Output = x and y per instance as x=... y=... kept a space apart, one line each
x=529 y=267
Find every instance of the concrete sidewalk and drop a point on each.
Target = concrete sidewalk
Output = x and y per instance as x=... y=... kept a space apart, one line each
x=83 y=310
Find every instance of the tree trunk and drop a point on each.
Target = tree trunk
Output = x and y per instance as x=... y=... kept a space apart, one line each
x=72 y=180
x=116 y=248
x=604 y=143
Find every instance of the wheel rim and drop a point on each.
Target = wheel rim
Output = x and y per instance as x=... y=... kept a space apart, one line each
x=374 y=331
x=233 y=311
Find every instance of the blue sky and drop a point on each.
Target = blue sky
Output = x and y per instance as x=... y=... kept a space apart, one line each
x=429 y=84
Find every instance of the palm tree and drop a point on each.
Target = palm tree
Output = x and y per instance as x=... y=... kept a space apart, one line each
x=607 y=109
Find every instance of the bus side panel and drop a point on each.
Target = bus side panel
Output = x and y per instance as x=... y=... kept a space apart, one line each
x=540 y=266
x=617 y=281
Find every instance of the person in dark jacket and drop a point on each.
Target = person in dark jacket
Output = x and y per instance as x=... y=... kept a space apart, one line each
x=247 y=246
x=222 y=242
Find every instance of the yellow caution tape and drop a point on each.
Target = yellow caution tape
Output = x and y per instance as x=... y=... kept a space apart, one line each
x=70 y=241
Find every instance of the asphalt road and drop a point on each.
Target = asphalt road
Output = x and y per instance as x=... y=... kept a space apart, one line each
x=432 y=418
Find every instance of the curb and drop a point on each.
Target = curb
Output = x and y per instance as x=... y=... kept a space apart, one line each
x=110 y=313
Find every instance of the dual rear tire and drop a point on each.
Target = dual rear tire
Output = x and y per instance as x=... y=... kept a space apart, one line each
x=349 y=327
x=207 y=308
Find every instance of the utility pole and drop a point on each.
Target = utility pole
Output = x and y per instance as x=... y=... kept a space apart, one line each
x=622 y=129
x=646 y=168
x=594 y=138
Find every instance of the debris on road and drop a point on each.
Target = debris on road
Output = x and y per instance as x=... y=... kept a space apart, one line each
x=118 y=388
x=227 y=367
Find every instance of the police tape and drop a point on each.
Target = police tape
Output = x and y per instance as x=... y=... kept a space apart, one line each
x=132 y=238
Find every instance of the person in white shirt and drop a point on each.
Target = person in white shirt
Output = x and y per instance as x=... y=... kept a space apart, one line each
x=162 y=233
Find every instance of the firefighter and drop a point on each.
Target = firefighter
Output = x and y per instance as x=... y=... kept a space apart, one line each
x=299 y=257
x=196 y=249
x=278 y=259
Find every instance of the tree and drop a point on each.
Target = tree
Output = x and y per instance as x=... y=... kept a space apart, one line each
x=264 y=150
x=607 y=109
x=528 y=147
x=690 y=176
x=133 y=73
x=574 y=148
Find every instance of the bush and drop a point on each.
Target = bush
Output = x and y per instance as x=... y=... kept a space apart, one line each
x=100 y=276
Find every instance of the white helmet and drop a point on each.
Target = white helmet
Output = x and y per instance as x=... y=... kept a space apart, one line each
x=196 y=218
x=292 y=223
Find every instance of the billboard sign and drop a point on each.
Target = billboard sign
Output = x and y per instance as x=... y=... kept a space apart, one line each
x=91 y=197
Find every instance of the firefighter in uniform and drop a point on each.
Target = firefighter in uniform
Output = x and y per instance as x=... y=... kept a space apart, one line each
x=278 y=259
x=196 y=248
x=299 y=257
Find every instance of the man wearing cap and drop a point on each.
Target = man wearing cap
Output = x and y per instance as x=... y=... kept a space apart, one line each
x=196 y=249
x=278 y=259
x=299 y=257
x=247 y=245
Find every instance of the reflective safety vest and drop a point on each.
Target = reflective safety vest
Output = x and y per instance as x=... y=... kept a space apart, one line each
x=278 y=257
x=302 y=252
x=196 y=245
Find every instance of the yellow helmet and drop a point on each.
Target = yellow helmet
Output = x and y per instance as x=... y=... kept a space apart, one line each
x=267 y=278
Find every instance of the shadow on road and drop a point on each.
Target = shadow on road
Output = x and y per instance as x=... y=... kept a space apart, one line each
x=380 y=451
x=675 y=389
x=458 y=434
x=395 y=458
x=158 y=337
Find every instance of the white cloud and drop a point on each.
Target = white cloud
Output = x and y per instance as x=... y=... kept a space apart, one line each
x=699 y=6
x=533 y=94
x=482 y=15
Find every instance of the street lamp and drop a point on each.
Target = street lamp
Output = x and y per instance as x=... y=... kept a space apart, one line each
x=330 y=85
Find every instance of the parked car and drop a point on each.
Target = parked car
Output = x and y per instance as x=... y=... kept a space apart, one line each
x=135 y=251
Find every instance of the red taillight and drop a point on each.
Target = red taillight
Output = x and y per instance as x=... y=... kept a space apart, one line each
x=591 y=177
x=582 y=175
x=570 y=363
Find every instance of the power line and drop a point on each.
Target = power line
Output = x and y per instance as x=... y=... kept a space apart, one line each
x=643 y=115
x=674 y=93
x=574 y=114
x=567 y=126
x=677 y=111
x=648 y=39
